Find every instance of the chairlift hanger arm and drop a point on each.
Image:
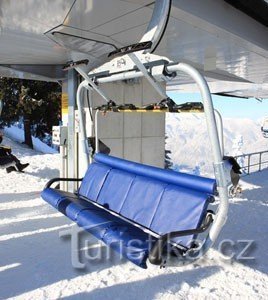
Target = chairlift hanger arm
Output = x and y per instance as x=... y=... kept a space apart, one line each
x=150 y=41
x=156 y=85
x=154 y=33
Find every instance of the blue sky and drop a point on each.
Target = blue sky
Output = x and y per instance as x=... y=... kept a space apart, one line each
x=229 y=107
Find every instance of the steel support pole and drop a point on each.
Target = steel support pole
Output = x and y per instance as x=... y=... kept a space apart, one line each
x=220 y=129
x=84 y=160
x=72 y=87
x=222 y=211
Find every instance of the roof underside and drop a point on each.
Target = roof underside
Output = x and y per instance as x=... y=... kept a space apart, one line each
x=228 y=45
x=256 y=9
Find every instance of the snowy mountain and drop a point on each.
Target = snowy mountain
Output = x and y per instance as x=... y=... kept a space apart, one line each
x=187 y=139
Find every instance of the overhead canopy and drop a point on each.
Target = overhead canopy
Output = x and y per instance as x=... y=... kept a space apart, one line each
x=225 y=43
x=256 y=9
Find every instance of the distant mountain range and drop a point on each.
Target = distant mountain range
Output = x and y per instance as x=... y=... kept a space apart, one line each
x=187 y=139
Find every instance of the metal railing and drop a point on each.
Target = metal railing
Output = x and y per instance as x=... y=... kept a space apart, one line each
x=253 y=162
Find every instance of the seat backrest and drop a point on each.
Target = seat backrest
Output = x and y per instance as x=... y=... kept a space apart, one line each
x=160 y=200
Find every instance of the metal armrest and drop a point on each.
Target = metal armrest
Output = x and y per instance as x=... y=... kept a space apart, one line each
x=156 y=253
x=48 y=185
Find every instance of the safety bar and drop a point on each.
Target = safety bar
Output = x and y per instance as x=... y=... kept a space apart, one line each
x=217 y=114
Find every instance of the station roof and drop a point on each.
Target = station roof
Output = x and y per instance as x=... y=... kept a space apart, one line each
x=226 y=43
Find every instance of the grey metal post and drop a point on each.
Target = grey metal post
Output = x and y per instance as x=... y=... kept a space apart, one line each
x=222 y=211
x=97 y=131
x=72 y=87
x=92 y=84
x=157 y=24
x=156 y=85
x=82 y=125
x=220 y=129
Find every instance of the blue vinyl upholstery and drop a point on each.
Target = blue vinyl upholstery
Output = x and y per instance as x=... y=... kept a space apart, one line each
x=203 y=184
x=116 y=193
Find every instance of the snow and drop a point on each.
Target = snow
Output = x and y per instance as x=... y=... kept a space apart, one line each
x=35 y=263
x=17 y=134
x=188 y=141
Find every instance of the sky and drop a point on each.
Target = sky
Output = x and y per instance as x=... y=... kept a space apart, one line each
x=229 y=107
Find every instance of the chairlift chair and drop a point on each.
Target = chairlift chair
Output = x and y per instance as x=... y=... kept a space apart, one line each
x=143 y=212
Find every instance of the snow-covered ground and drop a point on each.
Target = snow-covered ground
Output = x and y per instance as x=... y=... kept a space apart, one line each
x=36 y=264
x=17 y=134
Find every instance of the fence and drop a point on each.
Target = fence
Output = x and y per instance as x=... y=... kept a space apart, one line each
x=253 y=162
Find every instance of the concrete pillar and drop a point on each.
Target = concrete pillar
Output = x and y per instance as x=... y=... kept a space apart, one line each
x=138 y=137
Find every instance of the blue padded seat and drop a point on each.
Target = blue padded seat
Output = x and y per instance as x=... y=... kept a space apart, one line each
x=116 y=193
x=199 y=183
x=121 y=236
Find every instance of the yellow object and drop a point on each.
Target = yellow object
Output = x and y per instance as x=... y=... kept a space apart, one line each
x=64 y=104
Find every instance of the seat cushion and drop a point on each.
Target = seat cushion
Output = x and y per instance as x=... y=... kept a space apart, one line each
x=193 y=182
x=120 y=235
x=115 y=189
x=116 y=193
x=142 y=200
x=179 y=209
x=125 y=238
x=93 y=181
x=58 y=199
x=136 y=192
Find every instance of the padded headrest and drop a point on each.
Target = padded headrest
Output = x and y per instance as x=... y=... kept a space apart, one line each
x=194 y=182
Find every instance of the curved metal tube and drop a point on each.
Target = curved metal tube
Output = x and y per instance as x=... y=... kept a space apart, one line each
x=83 y=139
x=97 y=131
x=222 y=211
x=157 y=24
x=220 y=129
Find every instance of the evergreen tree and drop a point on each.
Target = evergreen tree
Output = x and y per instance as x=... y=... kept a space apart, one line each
x=9 y=93
x=37 y=102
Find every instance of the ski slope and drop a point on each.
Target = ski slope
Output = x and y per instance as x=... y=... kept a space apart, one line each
x=35 y=263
